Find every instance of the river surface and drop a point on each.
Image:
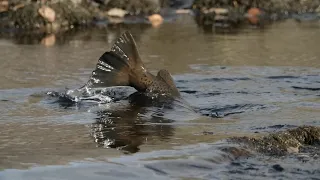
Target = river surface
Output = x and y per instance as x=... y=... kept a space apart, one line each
x=245 y=83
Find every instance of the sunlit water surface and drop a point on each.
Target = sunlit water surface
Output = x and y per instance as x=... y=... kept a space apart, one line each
x=249 y=82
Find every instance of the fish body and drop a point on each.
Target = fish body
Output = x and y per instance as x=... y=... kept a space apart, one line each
x=122 y=66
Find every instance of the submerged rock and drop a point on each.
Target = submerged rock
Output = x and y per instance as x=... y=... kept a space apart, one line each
x=281 y=143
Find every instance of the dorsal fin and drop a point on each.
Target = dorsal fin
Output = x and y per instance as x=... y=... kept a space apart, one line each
x=166 y=77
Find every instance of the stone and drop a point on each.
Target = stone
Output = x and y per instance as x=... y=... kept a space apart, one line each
x=4 y=5
x=116 y=12
x=253 y=15
x=156 y=20
x=47 y=13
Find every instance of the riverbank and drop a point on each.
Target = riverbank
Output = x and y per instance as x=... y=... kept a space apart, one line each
x=52 y=16
x=252 y=83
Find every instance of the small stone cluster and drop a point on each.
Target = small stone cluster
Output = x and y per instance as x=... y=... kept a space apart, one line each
x=45 y=16
x=256 y=12
x=59 y=15
x=285 y=6
x=137 y=7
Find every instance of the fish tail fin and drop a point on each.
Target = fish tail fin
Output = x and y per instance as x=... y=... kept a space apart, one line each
x=122 y=66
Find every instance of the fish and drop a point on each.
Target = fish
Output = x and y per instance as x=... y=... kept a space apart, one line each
x=122 y=66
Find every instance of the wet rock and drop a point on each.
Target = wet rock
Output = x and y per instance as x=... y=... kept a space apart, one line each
x=49 y=17
x=236 y=152
x=253 y=15
x=282 y=7
x=4 y=5
x=47 y=13
x=278 y=167
x=120 y=11
x=115 y=12
x=282 y=143
x=156 y=20
x=137 y=7
x=218 y=12
x=257 y=12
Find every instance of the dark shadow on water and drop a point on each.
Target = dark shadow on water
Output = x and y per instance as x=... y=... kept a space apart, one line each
x=129 y=126
x=223 y=111
x=126 y=131
x=127 y=122
x=307 y=88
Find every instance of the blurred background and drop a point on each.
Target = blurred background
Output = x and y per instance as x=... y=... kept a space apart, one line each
x=244 y=67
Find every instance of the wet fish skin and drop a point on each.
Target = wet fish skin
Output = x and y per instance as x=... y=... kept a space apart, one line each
x=122 y=66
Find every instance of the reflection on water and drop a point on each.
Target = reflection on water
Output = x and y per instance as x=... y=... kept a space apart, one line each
x=127 y=133
x=243 y=83
x=108 y=33
x=125 y=126
x=129 y=120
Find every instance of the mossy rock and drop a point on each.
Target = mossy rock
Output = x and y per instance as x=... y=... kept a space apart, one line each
x=280 y=143
x=68 y=15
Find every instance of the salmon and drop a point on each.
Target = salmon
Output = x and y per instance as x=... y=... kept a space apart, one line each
x=122 y=66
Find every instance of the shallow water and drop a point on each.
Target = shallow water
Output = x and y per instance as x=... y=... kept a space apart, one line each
x=247 y=82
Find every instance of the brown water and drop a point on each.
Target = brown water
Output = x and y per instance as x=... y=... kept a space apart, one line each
x=254 y=79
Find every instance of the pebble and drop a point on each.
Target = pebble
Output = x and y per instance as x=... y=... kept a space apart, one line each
x=47 y=13
x=156 y=20
x=4 y=5
x=253 y=15
x=116 y=12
